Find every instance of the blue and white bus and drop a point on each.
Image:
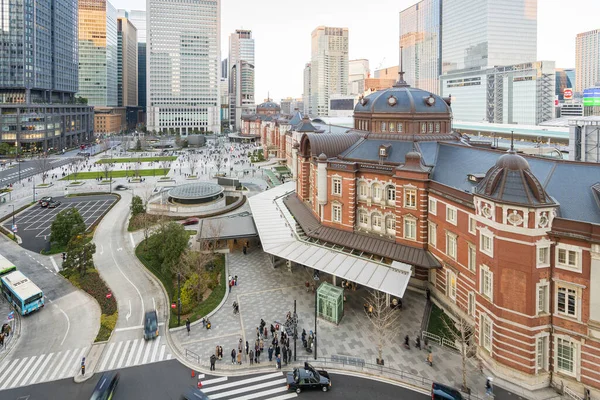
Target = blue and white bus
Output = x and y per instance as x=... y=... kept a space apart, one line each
x=23 y=294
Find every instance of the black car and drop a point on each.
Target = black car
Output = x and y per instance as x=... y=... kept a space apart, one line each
x=44 y=201
x=53 y=204
x=308 y=378
x=121 y=187
x=106 y=386
x=443 y=392
x=194 y=394
x=150 y=325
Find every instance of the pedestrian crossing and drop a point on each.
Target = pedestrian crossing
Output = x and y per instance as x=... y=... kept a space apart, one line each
x=65 y=364
x=269 y=386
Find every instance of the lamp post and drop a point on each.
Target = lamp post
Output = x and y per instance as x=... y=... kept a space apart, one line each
x=13 y=206
x=33 y=184
x=316 y=313
x=17 y=158
x=178 y=299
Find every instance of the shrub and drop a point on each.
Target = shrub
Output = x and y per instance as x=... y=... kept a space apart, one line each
x=107 y=325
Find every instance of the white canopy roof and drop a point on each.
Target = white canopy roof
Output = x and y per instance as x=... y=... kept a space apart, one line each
x=277 y=230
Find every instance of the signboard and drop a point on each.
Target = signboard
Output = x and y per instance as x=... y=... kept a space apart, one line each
x=591 y=97
x=568 y=94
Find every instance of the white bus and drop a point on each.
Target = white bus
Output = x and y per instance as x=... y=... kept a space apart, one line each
x=23 y=294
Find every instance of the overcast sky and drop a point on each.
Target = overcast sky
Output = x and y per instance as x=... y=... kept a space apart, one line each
x=282 y=33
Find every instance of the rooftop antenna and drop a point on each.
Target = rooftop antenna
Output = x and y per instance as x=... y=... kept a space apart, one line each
x=401 y=82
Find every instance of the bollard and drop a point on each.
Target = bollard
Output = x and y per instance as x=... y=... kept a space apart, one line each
x=83 y=366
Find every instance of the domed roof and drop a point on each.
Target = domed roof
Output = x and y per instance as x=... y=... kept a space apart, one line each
x=197 y=190
x=269 y=105
x=511 y=181
x=402 y=98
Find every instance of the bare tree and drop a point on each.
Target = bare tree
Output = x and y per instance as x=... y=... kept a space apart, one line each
x=106 y=169
x=219 y=163
x=43 y=165
x=76 y=166
x=165 y=165
x=105 y=145
x=192 y=162
x=214 y=230
x=462 y=336
x=136 y=166
x=196 y=263
x=383 y=318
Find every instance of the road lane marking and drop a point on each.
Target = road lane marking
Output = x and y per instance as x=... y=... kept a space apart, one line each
x=54 y=264
x=129 y=313
x=132 y=241
x=139 y=353
x=132 y=352
x=2 y=368
x=210 y=381
x=59 y=365
x=75 y=369
x=242 y=382
x=155 y=349
x=285 y=396
x=162 y=354
x=42 y=369
x=25 y=369
x=68 y=321
x=153 y=304
x=107 y=356
x=132 y=328
x=120 y=363
x=33 y=369
x=147 y=353
x=253 y=395
x=68 y=367
x=128 y=280
x=14 y=372
x=115 y=356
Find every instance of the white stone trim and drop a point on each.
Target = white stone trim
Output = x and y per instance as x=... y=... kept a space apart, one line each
x=568 y=248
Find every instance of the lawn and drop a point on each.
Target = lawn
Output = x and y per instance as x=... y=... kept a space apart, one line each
x=135 y=159
x=118 y=174
x=436 y=323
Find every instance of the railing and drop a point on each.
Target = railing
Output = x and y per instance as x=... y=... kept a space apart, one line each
x=441 y=341
x=571 y=394
x=191 y=355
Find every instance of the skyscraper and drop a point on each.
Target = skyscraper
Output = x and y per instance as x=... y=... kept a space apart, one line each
x=306 y=94
x=38 y=76
x=241 y=76
x=488 y=33
x=421 y=42
x=138 y=18
x=183 y=65
x=98 y=52
x=329 y=66
x=587 y=60
x=358 y=71
x=127 y=62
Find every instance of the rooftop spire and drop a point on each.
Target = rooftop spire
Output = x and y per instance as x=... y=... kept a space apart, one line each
x=512 y=141
x=401 y=82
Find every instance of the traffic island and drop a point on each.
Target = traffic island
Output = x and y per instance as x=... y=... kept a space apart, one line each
x=89 y=363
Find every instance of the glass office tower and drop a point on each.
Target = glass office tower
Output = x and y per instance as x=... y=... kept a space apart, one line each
x=138 y=18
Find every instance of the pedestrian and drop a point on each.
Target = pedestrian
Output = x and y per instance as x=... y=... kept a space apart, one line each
x=289 y=354
x=428 y=294
x=272 y=331
x=203 y=322
x=235 y=280
x=220 y=352
x=265 y=333
x=187 y=325
x=277 y=350
x=430 y=359
x=278 y=362
x=247 y=347
x=251 y=357
x=239 y=358
x=488 y=386
x=418 y=343
x=261 y=345
x=244 y=250
x=233 y=356
x=231 y=283
x=270 y=352
x=285 y=354
x=213 y=360
x=217 y=352
x=257 y=356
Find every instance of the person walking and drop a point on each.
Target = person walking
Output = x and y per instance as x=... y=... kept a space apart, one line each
x=213 y=360
x=261 y=345
x=430 y=359
x=289 y=354
x=239 y=357
x=187 y=325
x=488 y=386
x=220 y=352
x=233 y=356
x=272 y=331
x=265 y=332
x=247 y=347
x=285 y=354
x=257 y=356
x=251 y=357
x=277 y=350
x=278 y=362
x=270 y=353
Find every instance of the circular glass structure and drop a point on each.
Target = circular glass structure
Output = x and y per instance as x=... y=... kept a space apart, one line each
x=196 y=193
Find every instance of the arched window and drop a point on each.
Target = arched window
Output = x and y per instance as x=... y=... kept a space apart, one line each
x=363 y=218
x=363 y=190
x=390 y=194
x=390 y=224
x=376 y=221
x=376 y=190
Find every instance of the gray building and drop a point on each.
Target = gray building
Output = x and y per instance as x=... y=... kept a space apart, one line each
x=584 y=139
x=306 y=94
x=241 y=76
x=38 y=77
x=138 y=18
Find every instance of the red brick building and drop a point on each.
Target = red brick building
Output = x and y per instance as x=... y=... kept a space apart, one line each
x=509 y=243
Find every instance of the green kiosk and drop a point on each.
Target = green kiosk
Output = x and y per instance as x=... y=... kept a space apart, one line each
x=330 y=303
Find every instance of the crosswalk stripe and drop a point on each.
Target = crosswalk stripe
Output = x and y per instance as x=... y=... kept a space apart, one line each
x=42 y=368
x=5 y=365
x=68 y=367
x=132 y=352
x=77 y=364
x=33 y=369
x=162 y=352
x=245 y=389
x=23 y=372
x=59 y=365
x=116 y=355
x=14 y=372
x=284 y=396
x=147 y=352
x=169 y=356
x=260 y=394
x=107 y=356
x=215 y=380
x=139 y=353
x=242 y=382
x=124 y=353
x=155 y=349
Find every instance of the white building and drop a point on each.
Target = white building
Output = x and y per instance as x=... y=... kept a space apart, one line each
x=517 y=94
x=587 y=60
x=183 y=65
x=342 y=106
x=584 y=139
x=329 y=67
x=306 y=94
x=241 y=76
x=358 y=71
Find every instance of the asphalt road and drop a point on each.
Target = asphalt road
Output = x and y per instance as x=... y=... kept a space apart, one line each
x=29 y=168
x=168 y=380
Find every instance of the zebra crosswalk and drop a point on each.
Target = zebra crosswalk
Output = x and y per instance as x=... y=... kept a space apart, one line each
x=65 y=364
x=269 y=386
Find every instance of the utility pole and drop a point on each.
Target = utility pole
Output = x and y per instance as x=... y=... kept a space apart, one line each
x=33 y=182
x=315 y=338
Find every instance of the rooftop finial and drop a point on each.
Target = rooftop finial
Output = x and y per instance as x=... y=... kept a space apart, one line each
x=401 y=82
x=512 y=141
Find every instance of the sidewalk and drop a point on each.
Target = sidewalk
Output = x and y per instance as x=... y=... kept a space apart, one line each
x=15 y=324
x=264 y=292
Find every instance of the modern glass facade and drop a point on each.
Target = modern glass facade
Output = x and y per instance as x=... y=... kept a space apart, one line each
x=98 y=52
x=138 y=18
x=421 y=42
x=127 y=59
x=587 y=60
x=565 y=78
x=488 y=33
x=241 y=84
x=183 y=65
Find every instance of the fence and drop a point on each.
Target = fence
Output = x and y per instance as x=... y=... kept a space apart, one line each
x=441 y=341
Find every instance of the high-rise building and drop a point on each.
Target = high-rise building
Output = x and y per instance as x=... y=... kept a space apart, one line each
x=241 y=76
x=225 y=69
x=565 y=79
x=38 y=77
x=127 y=84
x=183 y=50
x=290 y=105
x=358 y=71
x=587 y=60
x=421 y=42
x=98 y=52
x=488 y=33
x=329 y=67
x=138 y=18
x=387 y=73
x=306 y=94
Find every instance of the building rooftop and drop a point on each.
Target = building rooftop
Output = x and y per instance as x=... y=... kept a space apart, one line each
x=196 y=190
x=521 y=130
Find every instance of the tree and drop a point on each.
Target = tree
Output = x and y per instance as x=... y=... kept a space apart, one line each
x=106 y=169
x=195 y=264
x=214 y=229
x=383 y=318
x=167 y=245
x=138 y=144
x=6 y=149
x=185 y=144
x=80 y=255
x=178 y=140
x=193 y=159
x=76 y=166
x=67 y=224
x=43 y=165
x=461 y=333
x=137 y=206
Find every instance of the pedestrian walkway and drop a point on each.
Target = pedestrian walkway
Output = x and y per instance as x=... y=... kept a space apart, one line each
x=133 y=352
x=269 y=386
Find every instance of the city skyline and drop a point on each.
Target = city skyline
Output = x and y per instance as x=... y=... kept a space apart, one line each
x=557 y=29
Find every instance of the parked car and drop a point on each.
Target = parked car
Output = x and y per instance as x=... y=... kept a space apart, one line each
x=308 y=378
x=194 y=394
x=106 y=386
x=444 y=392
x=53 y=203
x=150 y=325
x=44 y=200
x=190 y=221
x=121 y=187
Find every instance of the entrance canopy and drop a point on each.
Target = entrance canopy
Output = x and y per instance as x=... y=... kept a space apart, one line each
x=279 y=236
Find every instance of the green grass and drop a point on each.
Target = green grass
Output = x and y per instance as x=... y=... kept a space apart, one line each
x=57 y=249
x=436 y=323
x=119 y=174
x=135 y=159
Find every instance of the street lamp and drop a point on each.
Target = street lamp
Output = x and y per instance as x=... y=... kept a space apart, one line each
x=13 y=206
x=17 y=158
